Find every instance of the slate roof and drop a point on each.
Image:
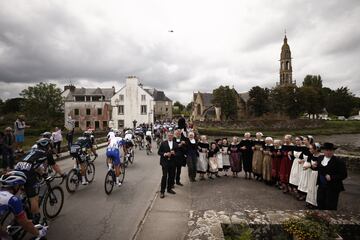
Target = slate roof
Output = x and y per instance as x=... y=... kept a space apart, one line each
x=158 y=95
x=107 y=92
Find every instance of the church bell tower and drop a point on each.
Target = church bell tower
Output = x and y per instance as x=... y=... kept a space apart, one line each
x=285 y=64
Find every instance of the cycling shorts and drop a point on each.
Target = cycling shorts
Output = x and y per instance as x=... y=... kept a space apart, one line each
x=114 y=154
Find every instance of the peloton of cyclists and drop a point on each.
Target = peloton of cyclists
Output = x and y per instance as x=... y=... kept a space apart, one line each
x=11 y=185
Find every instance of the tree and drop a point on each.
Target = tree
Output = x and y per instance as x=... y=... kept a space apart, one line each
x=340 y=102
x=12 y=105
x=311 y=100
x=180 y=108
x=189 y=107
x=313 y=81
x=226 y=99
x=43 y=102
x=259 y=101
x=285 y=101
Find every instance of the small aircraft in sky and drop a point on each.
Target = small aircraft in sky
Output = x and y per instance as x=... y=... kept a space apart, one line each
x=171 y=31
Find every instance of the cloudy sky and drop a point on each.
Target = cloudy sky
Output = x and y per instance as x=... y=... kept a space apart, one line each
x=232 y=42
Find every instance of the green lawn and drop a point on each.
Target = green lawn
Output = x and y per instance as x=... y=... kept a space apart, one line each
x=329 y=128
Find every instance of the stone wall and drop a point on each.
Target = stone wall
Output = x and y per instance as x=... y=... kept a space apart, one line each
x=208 y=224
x=352 y=162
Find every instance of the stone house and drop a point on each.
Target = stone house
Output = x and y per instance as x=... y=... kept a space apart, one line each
x=133 y=105
x=204 y=109
x=88 y=107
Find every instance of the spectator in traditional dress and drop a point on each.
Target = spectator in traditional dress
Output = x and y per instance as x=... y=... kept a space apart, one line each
x=257 y=160
x=297 y=166
x=219 y=158
x=192 y=156
x=276 y=161
x=225 y=156
x=311 y=196
x=305 y=174
x=246 y=151
x=286 y=162
x=202 y=163
x=235 y=160
x=266 y=165
x=213 y=167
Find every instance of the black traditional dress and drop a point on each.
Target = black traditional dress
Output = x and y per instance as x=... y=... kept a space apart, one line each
x=247 y=154
x=235 y=160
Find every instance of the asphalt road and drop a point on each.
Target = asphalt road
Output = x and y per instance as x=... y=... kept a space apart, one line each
x=91 y=214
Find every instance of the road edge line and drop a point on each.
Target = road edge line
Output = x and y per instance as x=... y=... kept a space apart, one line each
x=147 y=212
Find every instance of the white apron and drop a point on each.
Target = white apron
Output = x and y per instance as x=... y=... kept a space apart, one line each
x=311 y=196
x=213 y=167
x=219 y=160
x=304 y=178
x=296 y=170
x=225 y=157
x=202 y=163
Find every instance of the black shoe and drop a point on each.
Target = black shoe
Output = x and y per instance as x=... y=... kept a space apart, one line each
x=172 y=187
x=171 y=191
x=180 y=184
x=162 y=195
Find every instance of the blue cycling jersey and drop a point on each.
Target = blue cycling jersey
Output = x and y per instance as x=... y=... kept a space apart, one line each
x=9 y=202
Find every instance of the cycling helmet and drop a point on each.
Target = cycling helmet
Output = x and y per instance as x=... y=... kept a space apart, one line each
x=46 y=135
x=43 y=143
x=13 y=178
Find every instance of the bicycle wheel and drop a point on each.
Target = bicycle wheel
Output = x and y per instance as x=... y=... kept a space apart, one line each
x=53 y=202
x=109 y=182
x=72 y=181
x=16 y=231
x=122 y=174
x=90 y=172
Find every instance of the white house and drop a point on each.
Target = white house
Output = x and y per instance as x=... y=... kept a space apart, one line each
x=132 y=103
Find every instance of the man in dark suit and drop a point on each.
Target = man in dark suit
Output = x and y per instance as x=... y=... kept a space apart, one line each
x=331 y=172
x=167 y=152
x=180 y=156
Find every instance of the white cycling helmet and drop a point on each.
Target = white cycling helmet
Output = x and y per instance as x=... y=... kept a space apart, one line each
x=13 y=178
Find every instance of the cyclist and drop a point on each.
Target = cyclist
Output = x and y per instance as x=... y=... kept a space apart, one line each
x=30 y=165
x=90 y=141
x=51 y=162
x=148 y=139
x=113 y=155
x=11 y=184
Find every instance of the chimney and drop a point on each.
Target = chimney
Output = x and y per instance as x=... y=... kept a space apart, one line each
x=70 y=87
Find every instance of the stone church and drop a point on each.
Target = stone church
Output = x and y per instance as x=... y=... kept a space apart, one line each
x=203 y=108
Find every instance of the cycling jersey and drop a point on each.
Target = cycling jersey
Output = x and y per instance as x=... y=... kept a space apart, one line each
x=29 y=164
x=110 y=135
x=9 y=202
x=128 y=136
x=113 y=151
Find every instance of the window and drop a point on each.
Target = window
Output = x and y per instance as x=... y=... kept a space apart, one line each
x=105 y=124
x=99 y=111
x=120 y=124
x=143 y=97
x=79 y=98
x=88 y=98
x=167 y=109
x=76 y=112
x=166 y=103
x=88 y=111
x=121 y=110
x=97 y=124
x=143 y=109
x=121 y=97
x=88 y=124
x=96 y=98
x=77 y=124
